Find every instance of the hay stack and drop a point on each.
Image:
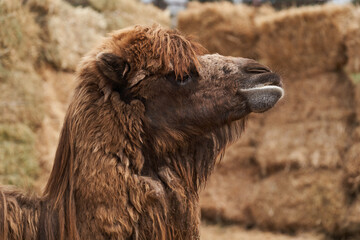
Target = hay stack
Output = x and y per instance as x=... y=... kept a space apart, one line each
x=352 y=157
x=123 y=13
x=72 y=32
x=222 y=27
x=303 y=40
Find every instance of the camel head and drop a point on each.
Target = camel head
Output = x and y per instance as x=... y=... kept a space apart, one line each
x=185 y=92
x=149 y=118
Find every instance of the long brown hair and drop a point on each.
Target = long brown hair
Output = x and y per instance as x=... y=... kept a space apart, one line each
x=59 y=209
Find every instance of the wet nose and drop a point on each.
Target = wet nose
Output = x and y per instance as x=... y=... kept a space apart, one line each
x=256 y=68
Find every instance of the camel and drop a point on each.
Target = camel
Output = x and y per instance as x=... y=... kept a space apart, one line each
x=150 y=117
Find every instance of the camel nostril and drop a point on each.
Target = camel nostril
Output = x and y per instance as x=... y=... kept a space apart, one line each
x=255 y=68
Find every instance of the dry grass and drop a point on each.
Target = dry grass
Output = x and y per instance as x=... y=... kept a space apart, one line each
x=304 y=40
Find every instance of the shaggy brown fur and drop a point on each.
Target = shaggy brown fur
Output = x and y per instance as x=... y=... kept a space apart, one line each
x=149 y=118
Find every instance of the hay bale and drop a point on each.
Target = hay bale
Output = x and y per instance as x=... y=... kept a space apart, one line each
x=123 y=13
x=352 y=169
x=18 y=165
x=237 y=170
x=72 y=32
x=350 y=221
x=303 y=40
x=230 y=187
x=75 y=3
x=352 y=43
x=289 y=201
x=352 y=157
x=357 y=99
x=320 y=97
x=263 y=10
x=317 y=144
x=221 y=27
x=21 y=98
x=19 y=34
x=41 y=7
x=310 y=128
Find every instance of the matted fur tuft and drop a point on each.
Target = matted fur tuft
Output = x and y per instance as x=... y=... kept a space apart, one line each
x=168 y=47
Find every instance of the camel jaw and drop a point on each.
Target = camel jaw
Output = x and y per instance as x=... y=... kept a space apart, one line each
x=262 y=98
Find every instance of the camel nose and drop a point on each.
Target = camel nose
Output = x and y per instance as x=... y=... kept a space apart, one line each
x=256 y=68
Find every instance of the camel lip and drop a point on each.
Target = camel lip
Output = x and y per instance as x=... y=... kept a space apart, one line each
x=261 y=80
x=275 y=82
x=262 y=87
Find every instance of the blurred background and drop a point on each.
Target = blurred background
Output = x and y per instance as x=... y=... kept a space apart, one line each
x=294 y=174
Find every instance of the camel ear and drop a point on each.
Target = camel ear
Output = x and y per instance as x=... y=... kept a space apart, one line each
x=112 y=66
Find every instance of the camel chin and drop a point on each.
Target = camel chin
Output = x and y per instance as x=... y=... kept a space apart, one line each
x=261 y=99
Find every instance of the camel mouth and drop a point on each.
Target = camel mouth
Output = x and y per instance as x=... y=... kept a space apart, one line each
x=274 y=88
x=264 y=93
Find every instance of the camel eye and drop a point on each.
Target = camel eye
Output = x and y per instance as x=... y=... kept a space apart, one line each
x=184 y=80
x=192 y=76
x=178 y=80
